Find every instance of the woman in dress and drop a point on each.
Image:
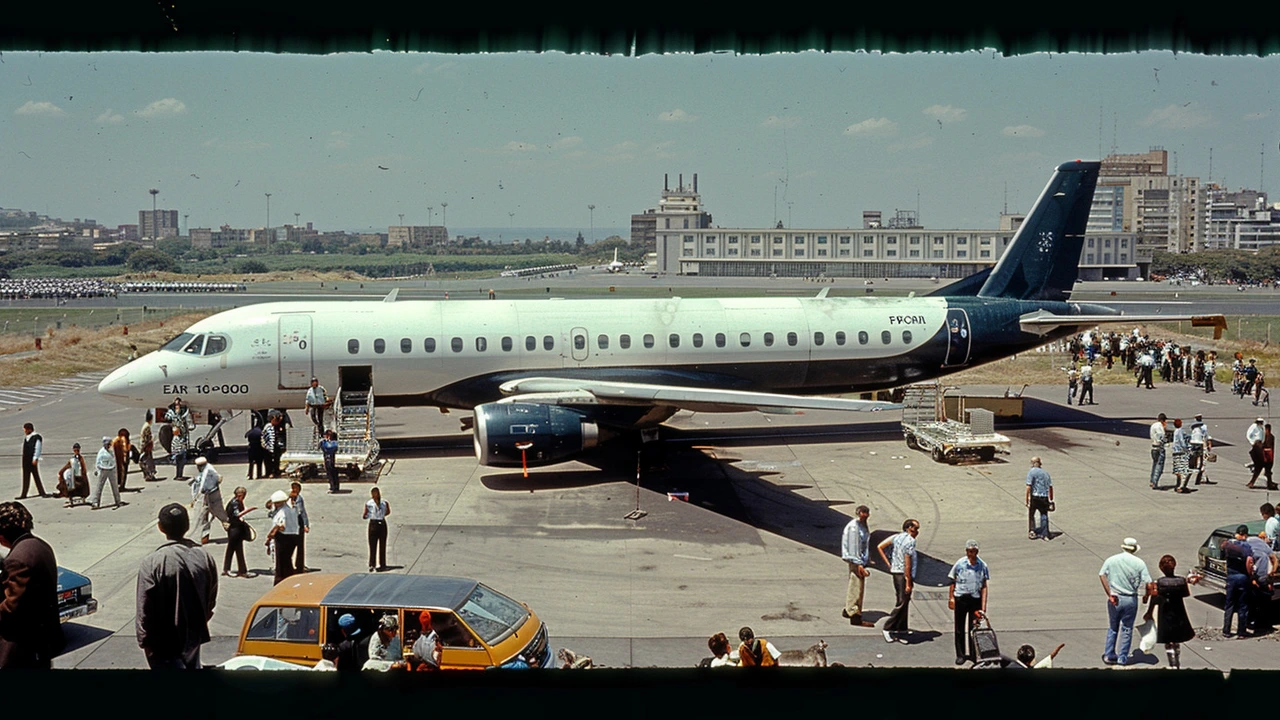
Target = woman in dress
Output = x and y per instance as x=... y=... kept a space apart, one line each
x=1181 y=453
x=1172 y=626
x=376 y=511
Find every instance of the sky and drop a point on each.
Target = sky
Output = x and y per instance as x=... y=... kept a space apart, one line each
x=351 y=141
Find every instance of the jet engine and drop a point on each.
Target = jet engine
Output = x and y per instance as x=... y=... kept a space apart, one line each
x=530 y=434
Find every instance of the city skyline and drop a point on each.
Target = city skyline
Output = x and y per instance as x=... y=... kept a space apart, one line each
x=532 y=140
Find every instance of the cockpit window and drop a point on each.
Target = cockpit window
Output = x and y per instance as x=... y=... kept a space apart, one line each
x=215 y=344
x=178 y=343
x=195 y=346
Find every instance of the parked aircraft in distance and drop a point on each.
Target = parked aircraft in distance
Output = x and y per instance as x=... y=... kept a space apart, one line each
x=548 y=378
x=617 y=265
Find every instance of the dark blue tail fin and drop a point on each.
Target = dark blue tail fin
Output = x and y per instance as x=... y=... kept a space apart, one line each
x=1042 y=261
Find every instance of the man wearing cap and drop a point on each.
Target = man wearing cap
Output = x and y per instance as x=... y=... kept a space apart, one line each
x=105 y=465
x=284 y=531
x=317 y=401
x=1124 y=576
x=384 y=645
x=1039 y=499
x=206 y=499
x=353 y=651
x=967 y=597
x=855 y=546
x=1239 y=561
x=1157 y=450
x=426 y=649
x=177 y=590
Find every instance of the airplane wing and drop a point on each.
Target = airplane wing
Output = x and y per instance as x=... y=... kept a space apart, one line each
x=1042 y=321
x=566 y=391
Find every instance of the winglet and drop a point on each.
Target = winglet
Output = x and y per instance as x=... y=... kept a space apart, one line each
x=391 y=296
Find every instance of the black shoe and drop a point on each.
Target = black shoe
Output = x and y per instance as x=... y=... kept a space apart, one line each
x=844 y=614
x=961 y=660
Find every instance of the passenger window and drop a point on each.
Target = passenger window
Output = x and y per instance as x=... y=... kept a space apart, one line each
x=530 y=343
x=603 y=342
x=840 y=338
x=697 y=339
x=673 y=340
x=429 y=345
x=579 y=342
x=818 y=338
x=886 y=337
x=215 y=344
x=482 y=344
x=792 y=339
x=449 y=629
x=406 y=345
x=353 y=346
x=456 y=344
x=906 y=337
x=290 y=624
x=195 y=346
x=379 y=346
x=506 y=343
x=624 y=342
x=648 y=340
x=720 y=340
x=768 y=339
x=548 y=343
x=744 y=339
x=863 y=338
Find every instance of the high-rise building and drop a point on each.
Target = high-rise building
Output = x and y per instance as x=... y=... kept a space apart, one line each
x=1163 y=210
x=153 y=225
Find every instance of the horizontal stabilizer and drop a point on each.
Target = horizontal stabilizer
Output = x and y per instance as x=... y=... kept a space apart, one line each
x=1043 y=321
x=576 y=391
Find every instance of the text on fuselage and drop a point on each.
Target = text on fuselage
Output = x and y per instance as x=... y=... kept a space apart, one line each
x=906 y=320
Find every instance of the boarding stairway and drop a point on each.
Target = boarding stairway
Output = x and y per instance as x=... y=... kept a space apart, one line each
x=352 y=417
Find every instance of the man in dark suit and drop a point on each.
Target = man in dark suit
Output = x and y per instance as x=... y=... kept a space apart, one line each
x=31 y=450
x=30 y=629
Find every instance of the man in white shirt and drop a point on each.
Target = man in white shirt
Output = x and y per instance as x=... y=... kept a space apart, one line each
x=1157 y=450
x=284 y=531
x=105 y=464
x=206 y=499
x=855 y=548
x=1256 y=432
x=317 y=401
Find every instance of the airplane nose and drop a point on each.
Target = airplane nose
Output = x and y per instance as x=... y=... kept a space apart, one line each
x=118 y=385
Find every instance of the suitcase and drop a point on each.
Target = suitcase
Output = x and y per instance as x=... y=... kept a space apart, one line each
x=986 y=648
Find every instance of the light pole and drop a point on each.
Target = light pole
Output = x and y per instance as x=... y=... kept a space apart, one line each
x=268 y=228
x=592 y=208
x=185 y=223
x=431 y=212
x=402 y=218
x=153 y=192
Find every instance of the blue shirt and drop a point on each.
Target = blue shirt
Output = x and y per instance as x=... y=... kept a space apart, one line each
x=1039 y=482
x=856 y=543
x=1181 y=443
x=903 y=545
x=1125 y=573
x=967 y=578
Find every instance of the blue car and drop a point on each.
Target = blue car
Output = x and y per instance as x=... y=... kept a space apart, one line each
x=75 y=595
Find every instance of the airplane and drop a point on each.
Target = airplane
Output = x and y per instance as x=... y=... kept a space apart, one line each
x=546 y=379
x=616 y=266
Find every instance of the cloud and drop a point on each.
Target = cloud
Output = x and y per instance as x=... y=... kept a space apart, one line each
x=1022 y=131
x=873 y=127
x=566 y=143
x=168 y=107
x=773 y=121
x=1177 y=117
x=109 y=118
x=338 y=140
x=677 y=115
x=946 y=113
x=40 y=109
x=517 y=146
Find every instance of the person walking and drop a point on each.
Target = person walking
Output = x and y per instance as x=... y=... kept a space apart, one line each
x=304 y=526
x=1039 y=499
x=146 y=450
x=284 y=532
x=967 y=597
x=120 y=447
x=237 y=532
x=903 y=569
x=1173 y=627
x=329 y=449
x=1181 y=447
x=105 y=464
x=1086 y=383
x=177 y=591
x=1073 y=382
x=376 y=511
x=32 y=445
x=316 y=403
x=1157 y=450
x=1269 y=456
x=181 y=445
x=206 y=499
x=855 y=547
x=1201 y=444
x=1123 y=577
x=30 y=629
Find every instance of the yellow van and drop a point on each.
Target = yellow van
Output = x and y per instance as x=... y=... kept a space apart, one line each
x=478 y=627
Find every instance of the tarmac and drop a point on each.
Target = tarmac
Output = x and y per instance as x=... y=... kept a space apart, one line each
x=757 y=542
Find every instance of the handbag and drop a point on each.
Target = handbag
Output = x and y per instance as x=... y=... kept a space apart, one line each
x=1211 y=457
x=1148 y=633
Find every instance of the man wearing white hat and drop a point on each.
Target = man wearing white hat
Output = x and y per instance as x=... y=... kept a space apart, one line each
x=1125 y=580
x=206 y=499
x=284 y=531
x=105 y=464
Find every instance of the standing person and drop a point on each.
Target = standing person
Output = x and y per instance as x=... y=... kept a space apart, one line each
x=256 y=453
x=1256 y=431
x=1210 y=367
x=329 y=448
x=105 y=464
x=1181 y=447
x=1073 y=382
x=1201 y=443
x=967 y=597
x=1259 y=593
x=32 y=444
x=855 y=547
x=146 y=450
x=274 y=442
x=1173 y=627
x=903 y=570
x=317 y=401
x=120 y=447
x=304 y=526
x=237 y=533
x=1269 y=456
x=1123 y=577
x=30 y=629
x=1146 y=365
x=214 y=418
x=1039 y=499
x=181 y=445
x=1157 y=450
x=284 y=531
x=1239 y=560
x=376 y=511
x=756 y=652
x=1086 y=383
x=73 y=478
x=1270 y=525
x=177 y=590
x=206 y=499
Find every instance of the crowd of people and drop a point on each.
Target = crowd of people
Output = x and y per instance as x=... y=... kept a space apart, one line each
x=1146 y=358
x=78 y=288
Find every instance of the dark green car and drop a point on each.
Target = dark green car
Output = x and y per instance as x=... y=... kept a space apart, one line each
x=1212 y=567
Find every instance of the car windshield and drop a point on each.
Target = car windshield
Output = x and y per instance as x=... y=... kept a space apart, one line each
x=178 y=343
x=492 y=615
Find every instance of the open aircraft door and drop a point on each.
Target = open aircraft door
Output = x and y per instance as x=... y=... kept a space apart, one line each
x=296 y=365
x=959 y=337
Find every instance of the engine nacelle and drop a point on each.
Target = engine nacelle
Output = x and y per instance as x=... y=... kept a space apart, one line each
x=530 y=434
